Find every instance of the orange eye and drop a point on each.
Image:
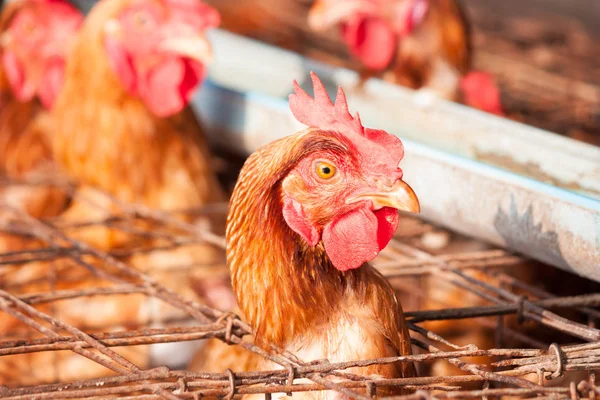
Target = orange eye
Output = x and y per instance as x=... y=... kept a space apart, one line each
x=325 y=170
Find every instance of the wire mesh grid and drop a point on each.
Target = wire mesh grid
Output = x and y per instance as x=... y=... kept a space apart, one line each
x=527 y=342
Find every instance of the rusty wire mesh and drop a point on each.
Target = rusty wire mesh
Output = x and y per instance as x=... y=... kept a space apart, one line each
x=493 y=331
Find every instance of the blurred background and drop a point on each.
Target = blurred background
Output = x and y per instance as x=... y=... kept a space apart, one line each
x=544 y=54
x=113 y=192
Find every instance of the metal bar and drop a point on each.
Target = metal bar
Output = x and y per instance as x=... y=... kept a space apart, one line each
x=500 y=181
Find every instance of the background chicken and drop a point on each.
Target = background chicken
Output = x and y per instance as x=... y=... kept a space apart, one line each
x=34 y=38
x=415 y=43
x=314 y=208
x=123 y=128
x=148 y=58
x=129 y=80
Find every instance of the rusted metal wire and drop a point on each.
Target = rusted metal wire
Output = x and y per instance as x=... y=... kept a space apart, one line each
x=553 y=365
x=488 y=311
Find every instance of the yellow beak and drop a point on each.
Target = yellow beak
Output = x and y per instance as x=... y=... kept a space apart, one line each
x=400 y=197
x=194 y=47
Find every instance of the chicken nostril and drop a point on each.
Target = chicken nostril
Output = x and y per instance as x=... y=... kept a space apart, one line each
x=386 y=182
x=378 y=181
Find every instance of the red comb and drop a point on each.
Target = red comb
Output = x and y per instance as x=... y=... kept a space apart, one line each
x=210 y=16
x=57 y=2
x=320 y=112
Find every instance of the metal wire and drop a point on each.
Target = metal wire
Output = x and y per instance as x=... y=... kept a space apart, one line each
x=569 y=347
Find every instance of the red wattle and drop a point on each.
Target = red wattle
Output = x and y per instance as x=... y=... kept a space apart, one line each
x=169 y=86
x=121 y=64
x=358 y=236
x=166 y=88
x=371 y=40
x=52 y=82
x=387 y=223
x=294 y=216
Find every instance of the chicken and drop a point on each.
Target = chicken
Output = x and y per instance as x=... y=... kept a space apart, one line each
x=34 y=38
x=148 y=58
x=131 y=75
x=415 y=43
x=312 y=209
x=123 y=127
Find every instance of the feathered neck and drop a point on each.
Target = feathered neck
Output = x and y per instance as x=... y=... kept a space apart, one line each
x=284 y=287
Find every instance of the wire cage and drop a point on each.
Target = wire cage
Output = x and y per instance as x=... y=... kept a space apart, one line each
x=490 y=334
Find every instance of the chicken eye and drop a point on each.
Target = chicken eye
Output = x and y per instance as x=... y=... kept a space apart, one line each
x=24 y=25
x=325 y=170
x=142 y=20
x=29 y=28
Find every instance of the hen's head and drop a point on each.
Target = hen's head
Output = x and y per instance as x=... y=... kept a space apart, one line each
x=371 y=29
x=34 y=45
x=159 y=50
x=346 y=190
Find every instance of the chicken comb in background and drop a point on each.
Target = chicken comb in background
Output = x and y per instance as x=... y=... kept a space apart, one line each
x=307 y=214
x=127 y=137
x=415 y=43
x=35 y=36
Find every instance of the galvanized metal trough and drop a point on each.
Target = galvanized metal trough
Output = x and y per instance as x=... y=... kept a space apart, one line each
x=523 y=188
